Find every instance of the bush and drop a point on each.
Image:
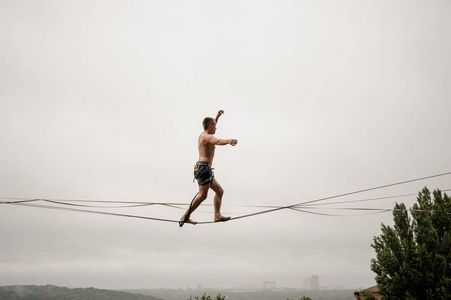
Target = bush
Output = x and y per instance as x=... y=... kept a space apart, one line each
x=205 y=297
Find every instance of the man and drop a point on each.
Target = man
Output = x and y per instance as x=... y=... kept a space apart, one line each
x=203 y=171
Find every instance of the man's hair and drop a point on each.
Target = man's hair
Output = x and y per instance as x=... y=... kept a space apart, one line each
x=207 y=121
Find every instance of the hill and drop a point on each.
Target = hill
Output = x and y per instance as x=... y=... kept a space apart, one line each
x=182 y=294
x=50 y=292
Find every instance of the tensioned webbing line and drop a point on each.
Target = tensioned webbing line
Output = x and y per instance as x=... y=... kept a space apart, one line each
x=296 y=207
x=131 y=204
x=92 y=211
x=128 y=204
x=373 y=211
x=338 y=196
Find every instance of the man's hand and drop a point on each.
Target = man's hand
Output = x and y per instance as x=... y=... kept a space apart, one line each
x=233 y=142
x=220 y=113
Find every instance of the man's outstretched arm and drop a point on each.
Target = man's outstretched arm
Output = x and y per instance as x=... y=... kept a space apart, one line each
x=220 y=142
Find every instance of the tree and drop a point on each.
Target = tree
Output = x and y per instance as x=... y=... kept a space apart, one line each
x=208 y=297
x=367 y=295
x=413 y=258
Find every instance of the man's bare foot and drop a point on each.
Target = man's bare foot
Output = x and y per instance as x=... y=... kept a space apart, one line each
x=220 y=218
x=183 y=221
x=191 y=222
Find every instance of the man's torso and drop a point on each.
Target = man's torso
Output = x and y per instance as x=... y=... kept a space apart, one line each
x=206 y=149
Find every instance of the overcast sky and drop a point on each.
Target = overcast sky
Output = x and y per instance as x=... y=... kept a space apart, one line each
x=103 y=100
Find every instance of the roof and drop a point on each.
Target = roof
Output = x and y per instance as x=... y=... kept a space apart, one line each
x=373 y=289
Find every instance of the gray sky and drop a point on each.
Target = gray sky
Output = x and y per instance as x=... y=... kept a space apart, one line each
x=103 y=100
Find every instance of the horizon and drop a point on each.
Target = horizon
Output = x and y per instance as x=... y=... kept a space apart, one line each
x=196 y=288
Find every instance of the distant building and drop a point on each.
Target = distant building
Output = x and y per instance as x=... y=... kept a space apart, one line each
x=311 y=283
x=314 y=283
x=269 y=285
x=373 y=290
x=306 y=284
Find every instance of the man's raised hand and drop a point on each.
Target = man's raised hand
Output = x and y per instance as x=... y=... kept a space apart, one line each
x=220 y=113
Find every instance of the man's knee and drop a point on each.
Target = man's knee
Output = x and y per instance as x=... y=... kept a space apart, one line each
x=220 y=192
x=202 y=196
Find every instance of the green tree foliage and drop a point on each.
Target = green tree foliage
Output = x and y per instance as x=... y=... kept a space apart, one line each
x=205 y=297
x=413 y=258
x=367 y=295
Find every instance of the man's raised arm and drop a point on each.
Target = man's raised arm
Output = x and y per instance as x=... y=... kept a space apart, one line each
x=218 y=115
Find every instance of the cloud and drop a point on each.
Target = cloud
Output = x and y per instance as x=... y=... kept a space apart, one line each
x=105 y=102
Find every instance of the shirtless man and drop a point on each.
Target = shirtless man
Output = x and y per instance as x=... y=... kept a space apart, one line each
x=203 y=172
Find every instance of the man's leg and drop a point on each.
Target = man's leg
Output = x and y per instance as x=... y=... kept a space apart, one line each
x=203 y=193
x=216 y=187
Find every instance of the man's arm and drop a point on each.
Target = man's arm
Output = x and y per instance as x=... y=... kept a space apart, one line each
x=218 y=115
x=220 y=142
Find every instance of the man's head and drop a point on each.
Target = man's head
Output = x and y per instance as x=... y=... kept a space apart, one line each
x=209 y=125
